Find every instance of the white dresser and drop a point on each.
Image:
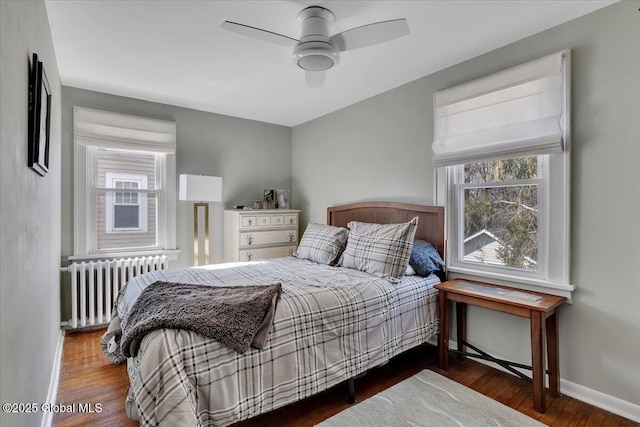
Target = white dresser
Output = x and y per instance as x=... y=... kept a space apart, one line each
x=250 y=235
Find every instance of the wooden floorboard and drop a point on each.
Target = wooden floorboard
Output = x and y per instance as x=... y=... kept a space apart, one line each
x=87 y=377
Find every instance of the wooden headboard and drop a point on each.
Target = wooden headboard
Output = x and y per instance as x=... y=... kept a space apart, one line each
x=430 y=218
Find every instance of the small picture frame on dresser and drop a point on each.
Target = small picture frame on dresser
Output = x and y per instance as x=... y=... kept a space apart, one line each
x=268 y=199
x=257 y=204
x=282 y=199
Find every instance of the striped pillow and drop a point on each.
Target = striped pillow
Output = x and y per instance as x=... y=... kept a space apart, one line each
x=322 y=243
x=380 y=249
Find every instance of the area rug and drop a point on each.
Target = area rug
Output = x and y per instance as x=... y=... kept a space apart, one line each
x=429 y=399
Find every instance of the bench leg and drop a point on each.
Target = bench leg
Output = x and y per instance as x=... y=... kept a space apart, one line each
x=461 y=327
x=537 y=361
x=443 y=339
x=551 y=324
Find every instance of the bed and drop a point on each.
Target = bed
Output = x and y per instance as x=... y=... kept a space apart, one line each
x=331 y=325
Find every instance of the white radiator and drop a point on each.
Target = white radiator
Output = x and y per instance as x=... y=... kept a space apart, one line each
x=95 y=286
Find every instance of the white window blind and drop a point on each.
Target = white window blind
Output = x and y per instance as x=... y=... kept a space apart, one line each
x=123 y=132
x=516 y=112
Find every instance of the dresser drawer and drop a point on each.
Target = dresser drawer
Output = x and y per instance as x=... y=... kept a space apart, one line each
x=259 y=234
x=266 y=253
x=291 y=220
x=263 y=220
x=248 y=221
x=256 y=238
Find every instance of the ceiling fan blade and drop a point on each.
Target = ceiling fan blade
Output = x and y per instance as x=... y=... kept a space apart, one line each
x=260 y=34
x=315 y=79
x=371 y=34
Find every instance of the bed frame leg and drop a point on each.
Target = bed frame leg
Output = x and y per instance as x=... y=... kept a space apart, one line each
x=352 y=391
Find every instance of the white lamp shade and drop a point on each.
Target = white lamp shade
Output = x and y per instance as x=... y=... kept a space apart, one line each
x=200 y=188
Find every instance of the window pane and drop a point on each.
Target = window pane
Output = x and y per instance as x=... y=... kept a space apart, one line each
x=126 y=216
x=501 y=226
x=145 y=237
x=501 y=170
x=128 y=219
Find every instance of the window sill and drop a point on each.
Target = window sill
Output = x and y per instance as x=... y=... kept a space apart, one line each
x=171 y=253
x=526 y=283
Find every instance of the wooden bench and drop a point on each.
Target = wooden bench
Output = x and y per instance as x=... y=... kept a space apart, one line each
x=541 y=309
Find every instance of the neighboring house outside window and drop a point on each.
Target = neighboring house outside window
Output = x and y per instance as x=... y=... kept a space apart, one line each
x=126 y=209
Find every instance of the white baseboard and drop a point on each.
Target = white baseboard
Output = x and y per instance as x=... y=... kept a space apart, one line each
x=47 y=417
x=593 y=397
x=607 y=402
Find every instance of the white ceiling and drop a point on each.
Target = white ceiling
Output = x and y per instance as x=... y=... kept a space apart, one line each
x=175 y=52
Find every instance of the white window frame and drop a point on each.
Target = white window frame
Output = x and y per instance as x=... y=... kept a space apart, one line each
x=456 y=200
x=553 y=272
x=141 y=179
x=86 y=143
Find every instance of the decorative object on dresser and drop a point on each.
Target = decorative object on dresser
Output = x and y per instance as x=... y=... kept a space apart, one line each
x=268 y=198
x=282 y=199
x=201 y=190
x=39 y=117
x=251 y=235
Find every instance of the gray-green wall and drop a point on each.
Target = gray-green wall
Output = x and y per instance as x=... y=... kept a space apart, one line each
x=380 y=149
x=30 y=218
x=248 y=155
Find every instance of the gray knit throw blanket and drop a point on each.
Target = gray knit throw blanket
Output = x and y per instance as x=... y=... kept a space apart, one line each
x=236 y=316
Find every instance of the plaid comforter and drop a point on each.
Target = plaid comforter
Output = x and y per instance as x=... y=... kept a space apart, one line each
x=331 y=324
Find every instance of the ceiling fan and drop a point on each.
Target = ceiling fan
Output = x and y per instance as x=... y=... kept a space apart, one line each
x=316 y=51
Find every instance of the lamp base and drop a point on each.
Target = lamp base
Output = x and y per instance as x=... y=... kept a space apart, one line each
x=196 y=234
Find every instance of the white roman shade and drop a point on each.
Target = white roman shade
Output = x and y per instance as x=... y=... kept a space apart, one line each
x=121 y=131
x=520 y=111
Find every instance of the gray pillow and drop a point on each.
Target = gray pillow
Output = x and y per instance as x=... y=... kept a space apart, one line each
x=322 y=243
x=425 y=259
x=380 y=249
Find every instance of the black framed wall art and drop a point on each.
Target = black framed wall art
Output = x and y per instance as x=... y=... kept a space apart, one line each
x=39 y=117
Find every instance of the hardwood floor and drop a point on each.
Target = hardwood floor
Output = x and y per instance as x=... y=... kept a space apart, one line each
x=87 y=377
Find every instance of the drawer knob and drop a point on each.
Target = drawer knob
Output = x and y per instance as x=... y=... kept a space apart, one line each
x=290 y=220
x=250 y=221
x=248 y=238
x=248 y=256
x=290 y=251
x=291 y=237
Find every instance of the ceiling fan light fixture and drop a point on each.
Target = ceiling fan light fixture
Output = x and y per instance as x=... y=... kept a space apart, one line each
x=316 y=50
x=315 y=55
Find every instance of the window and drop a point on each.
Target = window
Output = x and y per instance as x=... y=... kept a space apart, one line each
x=498 y=214
x=126 y=210
x=125 y=185
x=501 y=152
